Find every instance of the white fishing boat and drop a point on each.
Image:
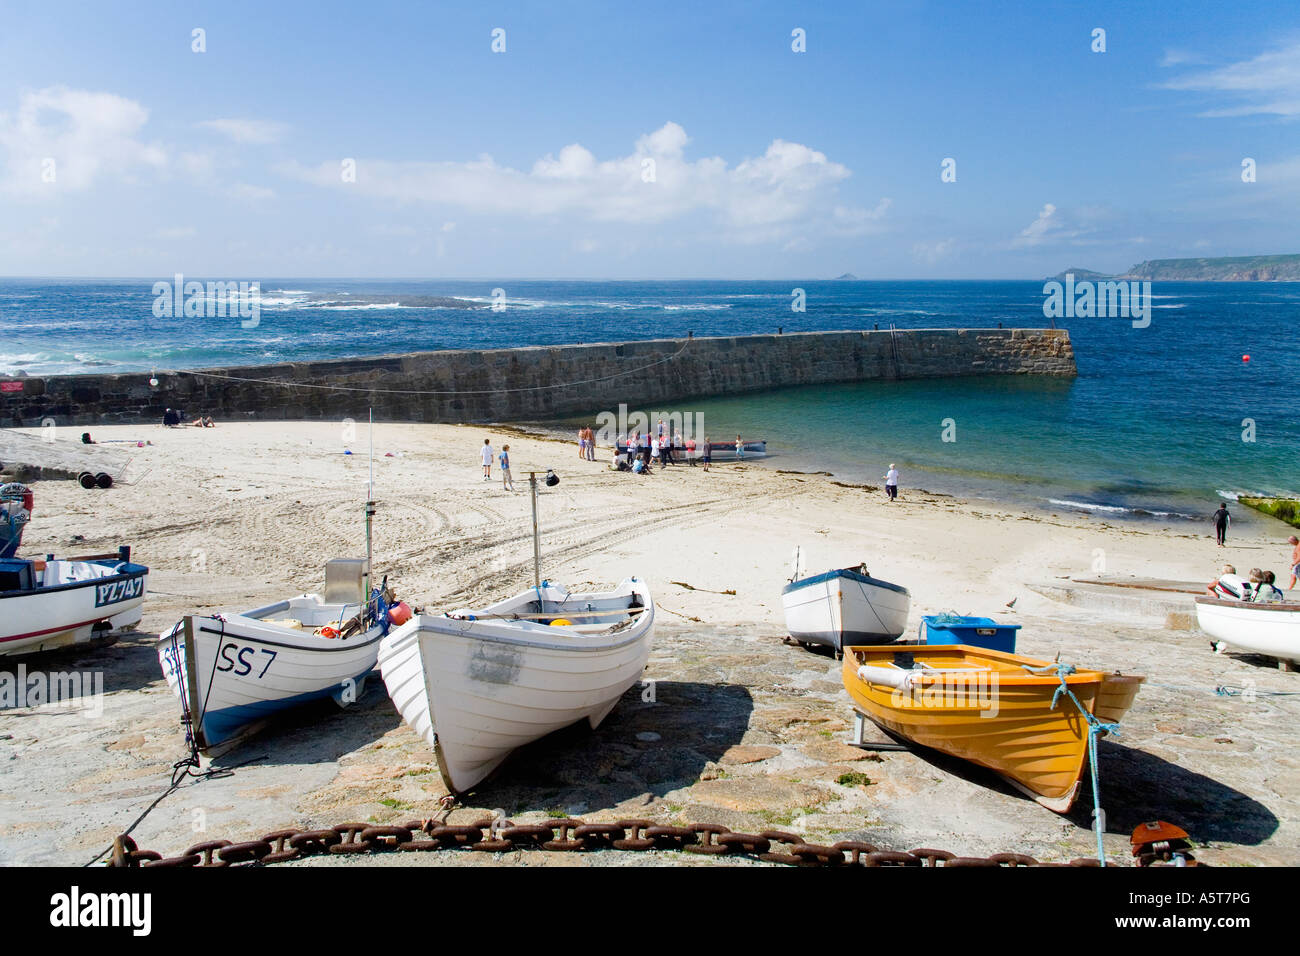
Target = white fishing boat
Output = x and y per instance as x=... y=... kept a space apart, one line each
x=842 y=608
x=478 y=684
x=51 y=603
x=234 y=671
x=1269 y=629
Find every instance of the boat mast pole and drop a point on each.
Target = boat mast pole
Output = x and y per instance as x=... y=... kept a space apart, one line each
x=370 y=513
x=537 y=541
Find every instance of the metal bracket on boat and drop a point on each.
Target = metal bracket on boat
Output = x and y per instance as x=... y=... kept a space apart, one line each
x=859 y=736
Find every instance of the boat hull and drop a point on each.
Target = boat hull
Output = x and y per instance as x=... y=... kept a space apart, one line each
x=232 y=674
x=476 y=690
x=985 y=708
x=1269 y=629
x=74 y=612
x=845 y=608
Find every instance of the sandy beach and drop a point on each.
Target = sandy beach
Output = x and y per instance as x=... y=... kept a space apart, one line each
x=733 y=727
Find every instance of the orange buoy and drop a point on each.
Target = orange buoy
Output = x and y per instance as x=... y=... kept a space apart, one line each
x=399 y=613
x=327 y=632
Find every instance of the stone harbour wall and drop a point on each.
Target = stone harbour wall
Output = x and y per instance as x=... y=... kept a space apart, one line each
x=536 y=382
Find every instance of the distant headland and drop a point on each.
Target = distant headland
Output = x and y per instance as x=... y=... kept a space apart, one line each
x=1284 y=268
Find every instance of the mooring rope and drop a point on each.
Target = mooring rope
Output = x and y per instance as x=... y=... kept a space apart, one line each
x=1095 y=729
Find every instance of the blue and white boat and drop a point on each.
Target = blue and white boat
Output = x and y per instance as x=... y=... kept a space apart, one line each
x=844 y=608
x=234 y=671
x=50 y=603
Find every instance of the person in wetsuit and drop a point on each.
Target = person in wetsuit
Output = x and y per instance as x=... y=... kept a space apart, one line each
x=1221 y=520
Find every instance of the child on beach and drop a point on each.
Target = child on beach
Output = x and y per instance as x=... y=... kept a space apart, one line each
x=486 y=456
x=1295 y=561
x=507 y=482
x=740 y=449
x=582 y=443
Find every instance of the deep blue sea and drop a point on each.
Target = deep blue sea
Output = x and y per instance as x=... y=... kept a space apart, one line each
x=1154 y=423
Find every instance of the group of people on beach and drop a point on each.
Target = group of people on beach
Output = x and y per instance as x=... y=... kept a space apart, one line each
x=486 y=455
x=638 y=453
x=175 y=418
x=1260 y=588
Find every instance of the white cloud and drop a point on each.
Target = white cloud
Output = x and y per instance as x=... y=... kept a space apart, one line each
x=178 y=232
x=1265 y=84
x=87 y=135
x=1043 y=229
x=249 y=131
x=789 y=188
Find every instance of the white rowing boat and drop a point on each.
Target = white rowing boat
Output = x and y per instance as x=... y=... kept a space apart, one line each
x=478 y=684
x=234 y=671
x=1269 y=629
x=844 y=607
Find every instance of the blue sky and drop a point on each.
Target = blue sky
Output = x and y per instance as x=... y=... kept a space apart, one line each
x=532 y=162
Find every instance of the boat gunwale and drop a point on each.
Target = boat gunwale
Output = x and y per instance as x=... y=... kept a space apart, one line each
x=584 y=642
x=850 y=573
x=1290 y=606
x=131 y=571
x=1019 y=677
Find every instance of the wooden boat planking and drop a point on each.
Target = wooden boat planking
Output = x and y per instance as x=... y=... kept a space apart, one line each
x=1038 y=749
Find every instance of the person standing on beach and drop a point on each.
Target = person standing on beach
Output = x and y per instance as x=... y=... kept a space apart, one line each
x=582 y=442
x=1295 y=561
x=1221 y=520
x=706 y=456
x=507 y=482
x=891 y=482
x=740 y=449
x=591 y=443
x=486 y=456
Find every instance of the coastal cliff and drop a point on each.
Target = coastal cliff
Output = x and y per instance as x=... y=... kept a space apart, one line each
x=535 y=382
x=1224 y=269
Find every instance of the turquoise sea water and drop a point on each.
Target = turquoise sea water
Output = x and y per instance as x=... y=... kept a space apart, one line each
x=1154 y=422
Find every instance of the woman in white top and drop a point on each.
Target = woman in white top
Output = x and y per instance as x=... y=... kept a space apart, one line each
x=486 y=456
x=891 y=482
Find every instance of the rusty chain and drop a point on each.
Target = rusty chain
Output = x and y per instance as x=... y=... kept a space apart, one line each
x=566 y=835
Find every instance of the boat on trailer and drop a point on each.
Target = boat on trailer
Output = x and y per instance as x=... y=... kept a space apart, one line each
x=1002 y=711
x=232 y=672
x=726 y=451
x=477 y=684
x=843 y=607
x=1272 y=629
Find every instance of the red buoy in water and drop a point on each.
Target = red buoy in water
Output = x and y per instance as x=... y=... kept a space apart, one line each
x=1245 y=358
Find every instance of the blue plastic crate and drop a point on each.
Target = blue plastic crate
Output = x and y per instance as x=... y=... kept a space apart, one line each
x=975 y=631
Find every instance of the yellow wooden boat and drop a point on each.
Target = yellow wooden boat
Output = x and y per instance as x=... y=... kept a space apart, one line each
x=985 y=706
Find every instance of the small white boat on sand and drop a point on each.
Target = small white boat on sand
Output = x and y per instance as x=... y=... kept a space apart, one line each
x=478 y=684
x=1269 y=629
x=45 y=604
x=233 y=671
x=843 y=608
